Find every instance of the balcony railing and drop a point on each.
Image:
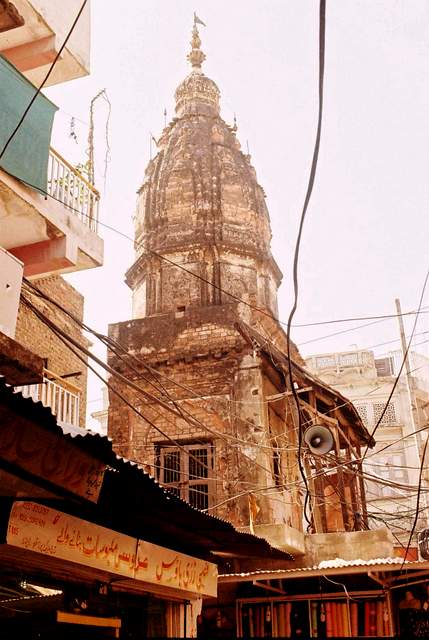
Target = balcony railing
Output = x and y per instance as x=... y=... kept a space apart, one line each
x=341 y=360
x=61 y=396
x=70 y=187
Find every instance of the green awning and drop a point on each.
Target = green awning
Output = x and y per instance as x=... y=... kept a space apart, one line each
x=27 y=155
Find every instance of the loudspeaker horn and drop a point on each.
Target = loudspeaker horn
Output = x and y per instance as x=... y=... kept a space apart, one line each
x=319 y=439
x=423 y=543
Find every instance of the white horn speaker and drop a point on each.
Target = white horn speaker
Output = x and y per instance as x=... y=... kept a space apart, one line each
x=319 y=439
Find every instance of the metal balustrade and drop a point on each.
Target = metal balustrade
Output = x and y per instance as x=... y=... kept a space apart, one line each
x=61 y=396
x=345 y=359
x=69 y=186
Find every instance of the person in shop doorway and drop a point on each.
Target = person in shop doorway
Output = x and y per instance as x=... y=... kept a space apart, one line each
x=409 y=601
x=425 y=601
x=410 y=609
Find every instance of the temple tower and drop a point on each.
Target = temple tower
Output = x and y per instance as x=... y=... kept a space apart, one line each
x=202 y=232
x=200 y=206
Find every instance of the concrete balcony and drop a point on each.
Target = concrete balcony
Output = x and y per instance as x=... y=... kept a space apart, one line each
x=32 y=32
x=55 y=234
x=61 y=396
x=280 y=536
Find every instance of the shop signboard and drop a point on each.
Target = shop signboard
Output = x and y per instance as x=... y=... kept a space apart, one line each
x=56 y=534
x=49 y=456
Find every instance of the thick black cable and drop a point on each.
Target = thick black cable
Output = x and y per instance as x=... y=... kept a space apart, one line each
x=64 y=339
x=107 y=342
x=322 y=28
x=45 y=79
x=68 y=341
x=113 y=345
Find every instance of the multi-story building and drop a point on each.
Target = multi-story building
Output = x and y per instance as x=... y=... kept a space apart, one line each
x=205 y=353
x=48 y=210
x=392 y=469
x=201 y=395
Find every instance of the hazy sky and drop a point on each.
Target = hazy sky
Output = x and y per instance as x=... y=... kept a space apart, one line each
x=365 y=239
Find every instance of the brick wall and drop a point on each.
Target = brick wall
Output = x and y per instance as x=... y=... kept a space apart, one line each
x=36 y=336
x=198 y=354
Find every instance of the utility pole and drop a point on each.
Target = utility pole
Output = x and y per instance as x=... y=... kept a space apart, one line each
x=409 y=378
x=414 y=423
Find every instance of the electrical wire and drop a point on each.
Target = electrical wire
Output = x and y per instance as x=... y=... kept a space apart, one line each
x=382 y=344
x=114 y=346
x=387 y=316
x=45 y=79
x=139 y=390
x=220 y=434
x=322 y=27
x=404 y=359
x=123 y=235
x=337 y=333
x=65 y=337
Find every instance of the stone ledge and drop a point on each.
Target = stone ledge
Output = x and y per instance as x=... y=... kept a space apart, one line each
x=280 y=536
x=349 y=545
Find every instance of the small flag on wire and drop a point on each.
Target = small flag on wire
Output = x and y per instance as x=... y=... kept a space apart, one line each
x=198 y=20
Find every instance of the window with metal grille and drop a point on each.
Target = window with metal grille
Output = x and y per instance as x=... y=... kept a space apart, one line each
x=384 y=366
x=362 y=410
x=324 y=362
x=389 y=416
x=349 y=359
x=188 y=472
x=391 y=468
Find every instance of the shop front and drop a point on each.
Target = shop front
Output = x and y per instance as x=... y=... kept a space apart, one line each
x=96 y=582
x=91 y=546
x=384 y=597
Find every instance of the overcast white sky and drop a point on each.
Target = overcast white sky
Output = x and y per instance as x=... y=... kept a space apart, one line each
x=365 y=240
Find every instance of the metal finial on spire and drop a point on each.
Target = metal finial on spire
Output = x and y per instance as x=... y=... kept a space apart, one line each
x=196 y=57
x=235 y=127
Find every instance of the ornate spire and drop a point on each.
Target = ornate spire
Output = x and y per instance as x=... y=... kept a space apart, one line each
x=197 y=93
x=196 y=57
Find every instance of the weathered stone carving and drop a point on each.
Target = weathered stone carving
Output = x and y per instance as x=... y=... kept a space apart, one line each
x=201 y=205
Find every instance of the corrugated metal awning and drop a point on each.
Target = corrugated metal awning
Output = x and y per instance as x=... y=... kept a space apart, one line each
x=329 y=567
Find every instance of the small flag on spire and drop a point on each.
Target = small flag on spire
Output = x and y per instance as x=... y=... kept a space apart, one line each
x=198 y=20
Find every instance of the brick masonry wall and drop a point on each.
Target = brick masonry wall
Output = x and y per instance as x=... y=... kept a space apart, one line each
x=205 y=355
x=36 y=336
x=135 y=438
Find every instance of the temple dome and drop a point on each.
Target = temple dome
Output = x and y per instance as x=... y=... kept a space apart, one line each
x=201 y=188
x=197 y=94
